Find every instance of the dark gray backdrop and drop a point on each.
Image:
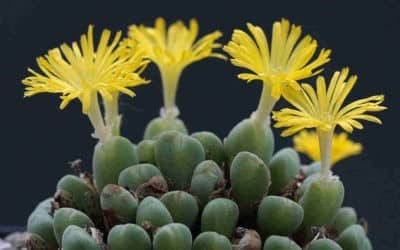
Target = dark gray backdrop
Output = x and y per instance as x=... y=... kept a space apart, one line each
x=37 y=139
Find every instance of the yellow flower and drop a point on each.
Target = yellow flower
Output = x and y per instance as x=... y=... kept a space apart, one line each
x=342 y=147
x=323 y=108
x=174 y=48
x=81 y=70
x=282 y=63
x=84 y=71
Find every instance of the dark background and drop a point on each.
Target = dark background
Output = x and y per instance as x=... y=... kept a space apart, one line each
x=38 y=139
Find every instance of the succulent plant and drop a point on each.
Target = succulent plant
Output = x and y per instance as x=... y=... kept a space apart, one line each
x=174 y=187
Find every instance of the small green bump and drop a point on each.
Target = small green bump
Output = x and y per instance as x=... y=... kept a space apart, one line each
x=353 y=238
x=220 y=215
x=159 y=125
x=324 y=244
x=345 y=217
x=279 y=215
x=75 y=238
x=322 y=200
x=284 y=167
x=275 y=242
x=173 y=236
x=135 y=176
x=252 y=137
x=118 y=204
x=81 y=194
x=145 y=151
x=177 y=155
x=212 y=145
x=41 y=224
x=152 y=213
x=211 y=241
x=207 y=177
x=182 y=207
x=110 y=158
x=65 y=217
x=250 y=180
x=128 y=236
x=45 y=205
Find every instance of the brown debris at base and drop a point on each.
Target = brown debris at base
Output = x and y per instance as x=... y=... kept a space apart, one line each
x=155 y=187
x=246 y=239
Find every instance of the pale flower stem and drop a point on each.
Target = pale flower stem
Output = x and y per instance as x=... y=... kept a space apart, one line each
x=100 y=130
x=325 y=147
x=112 y=116
x=265 y=106
x=170 y=79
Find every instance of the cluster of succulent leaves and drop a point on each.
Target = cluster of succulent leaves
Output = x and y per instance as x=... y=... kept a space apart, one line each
x=179 y=191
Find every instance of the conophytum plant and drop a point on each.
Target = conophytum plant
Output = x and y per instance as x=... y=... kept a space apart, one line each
x=179 y=191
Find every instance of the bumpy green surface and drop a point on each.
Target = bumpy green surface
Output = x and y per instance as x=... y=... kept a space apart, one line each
x=221 y=196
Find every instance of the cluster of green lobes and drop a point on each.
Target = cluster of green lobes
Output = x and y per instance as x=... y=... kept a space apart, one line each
x=175 y=191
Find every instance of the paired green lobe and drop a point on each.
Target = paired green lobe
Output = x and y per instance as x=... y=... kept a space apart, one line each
x=275 y=242
x=173 y=236
x=279 y=215
x=207 y=178
x=211 y=241
x=250 y=180
x=220 y=215
x=322 y=200
x=177 y=155
x=152 y=213
x=182 y=207
x=163 y=124
x=110 y=158
x=284 y=167
x=75 y=238
x=128 y=236
x=118 y=204
x=250 y=136
x=65 y=217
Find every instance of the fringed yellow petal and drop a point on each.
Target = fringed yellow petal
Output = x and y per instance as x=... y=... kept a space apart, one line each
x=324 y=106
x=175 y=46
x=79 y=70
x=287 y=59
